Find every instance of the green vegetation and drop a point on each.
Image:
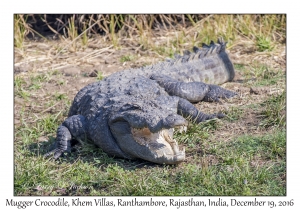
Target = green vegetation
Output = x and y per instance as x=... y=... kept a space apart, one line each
x=274 y=111
x=264 y=44
x=241 y=154
x=258 y=74
x=20 y=30
x=234 y=114
x=263 y=30
x=126 y=58
x=99 y=76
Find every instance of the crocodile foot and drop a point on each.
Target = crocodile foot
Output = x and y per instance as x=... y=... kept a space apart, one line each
x=216 y=93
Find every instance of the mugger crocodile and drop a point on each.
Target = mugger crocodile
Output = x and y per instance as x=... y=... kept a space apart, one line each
x=132 y=113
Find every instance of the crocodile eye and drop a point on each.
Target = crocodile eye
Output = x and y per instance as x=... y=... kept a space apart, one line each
x=136 y=106
x=131 y=106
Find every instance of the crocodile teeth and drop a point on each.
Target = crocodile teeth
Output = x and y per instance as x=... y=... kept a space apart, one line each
x=182 y=129
x=183 y=150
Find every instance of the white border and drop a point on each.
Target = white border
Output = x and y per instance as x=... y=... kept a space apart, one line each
x=130 y=6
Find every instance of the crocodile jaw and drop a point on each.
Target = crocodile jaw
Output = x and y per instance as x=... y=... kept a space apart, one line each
x=158 y=147
x=161 y=143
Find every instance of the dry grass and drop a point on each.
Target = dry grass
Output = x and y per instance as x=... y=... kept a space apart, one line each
x=158 y=35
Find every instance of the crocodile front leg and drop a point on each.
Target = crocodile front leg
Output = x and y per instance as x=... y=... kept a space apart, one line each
x=72 y=128
x=192 y=91
x=189 y=111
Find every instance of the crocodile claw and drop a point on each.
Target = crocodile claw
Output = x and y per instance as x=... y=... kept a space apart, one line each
x=55 y=153
x=215 y=93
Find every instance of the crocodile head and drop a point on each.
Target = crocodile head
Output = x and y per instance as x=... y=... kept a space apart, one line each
x=144 y=129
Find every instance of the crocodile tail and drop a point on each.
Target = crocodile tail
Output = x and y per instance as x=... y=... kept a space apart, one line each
x=200 y=59
x=218 y=50
x=220 y=47
x=215 y=51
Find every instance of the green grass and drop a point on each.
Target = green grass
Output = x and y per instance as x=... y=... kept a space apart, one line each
x=19 y=83
x=196 y=133
x=126 y=58
x=264 y=44
x=23 y=94
x=236 y=172
x=234 y=114
x=273 y=112
x=246 y=165
x=261 y=75
x=99 y=76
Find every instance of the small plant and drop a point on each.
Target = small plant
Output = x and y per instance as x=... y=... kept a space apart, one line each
x=20 y=30
x=60 y=96
x=126 y=58
x=18 y=82
x=23 y=93
x=262 y=72
x=35 y=86
x=84 y=37
x=264 y=44
x=37 y=81
x=112 y=30
x=100 y=76
x=72 y=31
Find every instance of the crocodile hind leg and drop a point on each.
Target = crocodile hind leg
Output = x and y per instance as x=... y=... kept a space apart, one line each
x=72 y=129
x=216 y=92
x=189 y=111
x=192 y=91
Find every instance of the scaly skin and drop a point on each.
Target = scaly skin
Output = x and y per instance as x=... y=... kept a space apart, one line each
x=131 y=114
